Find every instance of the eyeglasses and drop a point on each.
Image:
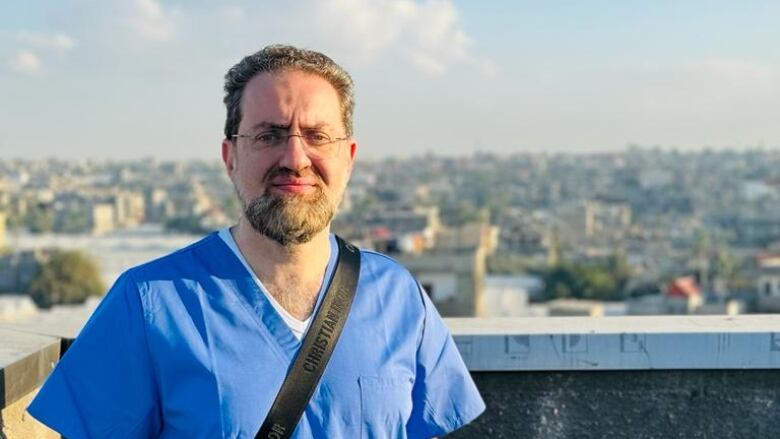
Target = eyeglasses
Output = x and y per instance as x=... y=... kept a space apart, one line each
x=318 y=143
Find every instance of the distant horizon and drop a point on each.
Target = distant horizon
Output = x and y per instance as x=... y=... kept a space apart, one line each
x=437 y=154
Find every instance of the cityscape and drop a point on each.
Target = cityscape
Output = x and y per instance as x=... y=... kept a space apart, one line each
x=588 y=192
x=643 y=231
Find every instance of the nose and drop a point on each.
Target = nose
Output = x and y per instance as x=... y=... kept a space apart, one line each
x=294 y=155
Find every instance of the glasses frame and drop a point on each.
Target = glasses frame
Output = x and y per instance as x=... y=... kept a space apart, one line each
x=285 y=138
x=312 y=150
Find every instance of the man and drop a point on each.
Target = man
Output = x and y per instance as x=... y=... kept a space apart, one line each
x=198 y=343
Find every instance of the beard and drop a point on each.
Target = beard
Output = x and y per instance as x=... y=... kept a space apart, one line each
x=289 y=219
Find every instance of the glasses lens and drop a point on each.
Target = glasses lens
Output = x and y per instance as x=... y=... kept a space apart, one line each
x=267 y=139
x=324 y=151
x=316 y=138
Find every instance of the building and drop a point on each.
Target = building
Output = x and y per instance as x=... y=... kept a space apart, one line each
x=417 y=226
x=16 y=307
x=18 y=269
x=454 y=281
x=753 y=229
x=102 y=218
x=467 y=237
x=593 y=219
x=574 y=307
x=3 y=231
x=157 y=206
x=768 y=289
x=508 y=296
x=129 y=208
x=683 y=296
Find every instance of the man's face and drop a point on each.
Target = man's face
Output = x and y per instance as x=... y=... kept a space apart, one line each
x=289 y=194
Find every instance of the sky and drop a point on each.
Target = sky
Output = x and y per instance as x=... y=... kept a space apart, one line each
x=124 y=79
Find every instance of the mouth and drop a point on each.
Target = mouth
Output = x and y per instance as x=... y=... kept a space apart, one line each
x=294 y=185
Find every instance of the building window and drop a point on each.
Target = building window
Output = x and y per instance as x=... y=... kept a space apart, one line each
x=767 y=288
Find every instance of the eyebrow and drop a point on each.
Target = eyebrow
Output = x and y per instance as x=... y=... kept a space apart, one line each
x=277 y=126
x=271 y=125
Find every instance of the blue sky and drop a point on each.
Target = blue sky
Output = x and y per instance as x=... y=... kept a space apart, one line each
x=132 y=78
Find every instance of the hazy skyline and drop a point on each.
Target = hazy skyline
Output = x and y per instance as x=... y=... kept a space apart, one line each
x=126 y=79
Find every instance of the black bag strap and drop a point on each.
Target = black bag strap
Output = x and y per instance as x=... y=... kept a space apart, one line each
x=318 y=344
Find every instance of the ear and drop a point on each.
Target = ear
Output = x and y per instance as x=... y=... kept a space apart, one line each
x=352 y=152
x=229 y=156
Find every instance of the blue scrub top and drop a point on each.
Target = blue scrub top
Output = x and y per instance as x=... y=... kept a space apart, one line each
x=187 y=346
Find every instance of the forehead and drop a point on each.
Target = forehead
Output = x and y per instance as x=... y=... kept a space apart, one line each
x=289 y=97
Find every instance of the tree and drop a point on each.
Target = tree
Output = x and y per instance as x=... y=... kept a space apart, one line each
x=507 y=263
x=561 y=282
x=72 y=221
x=186 y=224
x=618 y=266
x=67 y=277
x=457 y=213
x=605 y=280
x=40 y=219
x=15 y=221
x=597 y=284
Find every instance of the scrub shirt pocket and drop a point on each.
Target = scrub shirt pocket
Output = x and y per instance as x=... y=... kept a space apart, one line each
x=385 y=405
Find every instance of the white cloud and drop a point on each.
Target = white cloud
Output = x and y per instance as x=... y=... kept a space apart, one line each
x=428 y=33
x=60 y=42
x=735 y=70
x=26 y=62
x=64 y=42
x=37 y=47
x=148 y=20
x=427 y=64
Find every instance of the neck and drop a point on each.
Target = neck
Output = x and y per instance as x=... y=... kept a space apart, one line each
x=271 y=260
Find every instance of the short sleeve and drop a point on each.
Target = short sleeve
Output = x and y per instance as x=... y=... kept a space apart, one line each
x=445 y=397
x=104 y=385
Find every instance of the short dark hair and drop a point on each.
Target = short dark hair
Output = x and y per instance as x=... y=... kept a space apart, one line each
x=278 y=58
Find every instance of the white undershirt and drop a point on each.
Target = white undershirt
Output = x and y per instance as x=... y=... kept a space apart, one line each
x=298 y=327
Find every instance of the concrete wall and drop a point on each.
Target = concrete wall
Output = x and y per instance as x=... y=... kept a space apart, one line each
x=26 y=359
x=15 y=422
x=628 y=404
x=624 y=377
x=611 y=377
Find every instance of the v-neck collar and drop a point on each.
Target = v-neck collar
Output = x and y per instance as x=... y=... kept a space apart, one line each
x=257 y=300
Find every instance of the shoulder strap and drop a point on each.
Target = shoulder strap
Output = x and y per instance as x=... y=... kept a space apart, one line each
x=317 y=347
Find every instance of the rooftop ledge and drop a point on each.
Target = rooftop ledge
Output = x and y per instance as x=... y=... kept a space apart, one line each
x=659 y=376
x=28 y=350
x=618 y=343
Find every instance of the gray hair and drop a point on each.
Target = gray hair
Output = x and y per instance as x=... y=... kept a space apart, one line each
x=279 y=58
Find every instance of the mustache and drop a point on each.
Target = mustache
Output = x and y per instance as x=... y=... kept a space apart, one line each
x=287 y=172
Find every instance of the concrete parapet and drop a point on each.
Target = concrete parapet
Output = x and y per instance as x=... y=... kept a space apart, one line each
x=628 y=404
x=619 y=343
x=624 y=377
x=567 y=377
x=26 y=359
x=16 y=423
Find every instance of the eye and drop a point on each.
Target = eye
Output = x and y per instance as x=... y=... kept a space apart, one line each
x=316 y=137
x=268 y=138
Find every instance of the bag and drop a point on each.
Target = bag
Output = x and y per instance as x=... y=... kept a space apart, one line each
x=317 y=347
